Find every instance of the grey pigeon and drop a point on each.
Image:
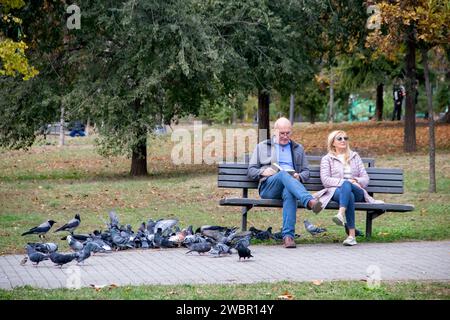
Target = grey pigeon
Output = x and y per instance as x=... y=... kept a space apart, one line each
x=165 y=225
x=199 y=247
x=242 y=248
x=119 y=241
x=219 y=249
x=41 y=229
x=151 y=226
x=94 y=247
x=79 y=237
x=312 y=228
x=35 y=256
x=48 y=247
x=71 y=225
x=194 y=238
x=114 y=220
x=86 y=252
x=75 y=245
x=243 y=242
x=159 y=241
x=61 y=259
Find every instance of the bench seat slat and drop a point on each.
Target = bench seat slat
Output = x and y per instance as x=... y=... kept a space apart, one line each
x=276 y=203
x=316 y=181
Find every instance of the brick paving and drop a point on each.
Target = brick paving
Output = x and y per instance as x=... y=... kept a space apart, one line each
x=427 y=260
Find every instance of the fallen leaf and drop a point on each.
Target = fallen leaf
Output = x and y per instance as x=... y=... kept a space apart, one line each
x=286 y=296
x=317 y=282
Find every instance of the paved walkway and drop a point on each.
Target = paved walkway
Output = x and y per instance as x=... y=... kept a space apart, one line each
x=385 y=261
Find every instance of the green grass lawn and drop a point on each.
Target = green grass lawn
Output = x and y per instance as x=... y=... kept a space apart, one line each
x=262 y=291
x=32 y=192
x=47 y=182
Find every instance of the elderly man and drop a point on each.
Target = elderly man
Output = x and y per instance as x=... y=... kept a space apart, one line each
x=280 y=184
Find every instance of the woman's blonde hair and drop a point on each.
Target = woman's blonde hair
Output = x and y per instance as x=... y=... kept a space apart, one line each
x=332 y=149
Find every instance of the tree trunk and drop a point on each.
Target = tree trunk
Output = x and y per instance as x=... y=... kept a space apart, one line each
x=88 y=127
x=379 y=107
x=291 y=109
x=263 y=115
x=432 y=151
x=139 y=160
x=409 y=139
x=331 y=103
x=61 y=127
x=139 y=153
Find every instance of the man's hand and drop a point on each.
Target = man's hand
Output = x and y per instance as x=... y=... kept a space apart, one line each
x=297 y=176
x=268 y=172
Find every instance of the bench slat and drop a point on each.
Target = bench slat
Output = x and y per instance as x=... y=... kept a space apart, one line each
x=233 y=171
x=314 y=181
x=275 y=203
x=235 y=184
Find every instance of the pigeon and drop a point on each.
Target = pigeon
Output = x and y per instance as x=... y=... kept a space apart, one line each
x=159 y=241
x=119 y=241
x=179 y=237
x=219 y=249
x=201 y=247
x=35 y=256
x=86 y=252
x=94 y=247
x=114 y=220
x=60 y=259
x=71 y=225
x=165 y=225
x=151 y=226
x=262 y=235
x=79 y=237
x=243 y=242
x=48 y=247
x=75 y=245
x=42 y=229
x=244 y=252
x=193 y=238
x=312 y=228
x=102 y=244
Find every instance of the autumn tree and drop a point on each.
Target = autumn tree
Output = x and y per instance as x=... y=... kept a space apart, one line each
x=13 y=61
x=410 y=25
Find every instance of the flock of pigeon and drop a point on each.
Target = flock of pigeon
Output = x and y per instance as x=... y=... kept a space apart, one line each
x=163 y=233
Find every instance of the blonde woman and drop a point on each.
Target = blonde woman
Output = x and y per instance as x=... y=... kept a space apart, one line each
x=344 y=177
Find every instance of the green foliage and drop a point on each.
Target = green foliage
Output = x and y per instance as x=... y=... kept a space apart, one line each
x=311 y=101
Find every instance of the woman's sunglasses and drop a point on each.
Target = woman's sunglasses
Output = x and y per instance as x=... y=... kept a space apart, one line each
x=342 y=138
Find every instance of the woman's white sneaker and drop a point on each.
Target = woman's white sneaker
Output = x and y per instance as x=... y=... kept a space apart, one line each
x=338 y=219
x=350 y=241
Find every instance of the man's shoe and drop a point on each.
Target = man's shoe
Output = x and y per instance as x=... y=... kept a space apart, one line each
x=289 y=242
x=338 y=219
x=350 y=241
x=315 y=205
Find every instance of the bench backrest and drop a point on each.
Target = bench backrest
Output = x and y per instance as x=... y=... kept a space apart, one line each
x=382 y=180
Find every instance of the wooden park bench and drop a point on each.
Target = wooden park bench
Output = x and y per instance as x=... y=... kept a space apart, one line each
x=382 y=180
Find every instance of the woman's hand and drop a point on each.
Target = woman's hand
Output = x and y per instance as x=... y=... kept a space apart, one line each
x=355 y=183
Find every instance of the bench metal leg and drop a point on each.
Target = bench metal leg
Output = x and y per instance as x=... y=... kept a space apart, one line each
x=372 y=214
x=369 y=219
x=244 y=217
